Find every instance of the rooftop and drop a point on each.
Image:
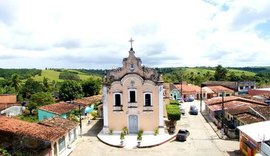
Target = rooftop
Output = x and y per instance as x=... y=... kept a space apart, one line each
x=188 y=88
x=59 y=122
x=248 y=118
x=233 y=104
x=264 y=111
x=221 y=83
x=218 y=89
x=207 y=90
x=19 y=127
x=218 y=100
x=59 y=108
x=88 y=100
x=257 y=131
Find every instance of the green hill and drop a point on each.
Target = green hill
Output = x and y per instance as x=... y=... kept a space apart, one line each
x=203 y=71
x=54 y=75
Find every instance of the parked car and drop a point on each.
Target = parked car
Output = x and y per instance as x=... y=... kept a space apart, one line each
x=182 y=109
x=193 y=110
x=180 y=100
x=182 y=135
x=190 y=99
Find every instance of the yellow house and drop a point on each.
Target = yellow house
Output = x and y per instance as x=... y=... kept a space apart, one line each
x=132 y=98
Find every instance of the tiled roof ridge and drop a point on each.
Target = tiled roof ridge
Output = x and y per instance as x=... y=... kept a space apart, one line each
x=229 y=99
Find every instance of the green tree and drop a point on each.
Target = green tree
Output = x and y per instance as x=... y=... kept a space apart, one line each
x=70 y=90
x=31 y=87
x=39 y=99
x=91 y=86
x=220 y=73
x=15 y=82
x=7 y=90
x=42 y=98
x=46 y=84
x=69 y=76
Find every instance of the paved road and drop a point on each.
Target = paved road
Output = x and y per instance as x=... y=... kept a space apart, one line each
x=202 y=141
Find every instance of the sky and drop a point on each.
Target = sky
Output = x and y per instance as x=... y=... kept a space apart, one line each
x=94 y=34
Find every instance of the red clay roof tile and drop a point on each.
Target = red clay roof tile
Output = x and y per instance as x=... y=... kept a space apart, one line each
x=59 y=108
x=35 y=130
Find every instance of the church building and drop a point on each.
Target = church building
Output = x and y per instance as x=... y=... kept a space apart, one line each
x=132 y=98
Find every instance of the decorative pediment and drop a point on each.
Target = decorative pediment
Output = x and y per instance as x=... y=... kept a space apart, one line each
x=132 y=65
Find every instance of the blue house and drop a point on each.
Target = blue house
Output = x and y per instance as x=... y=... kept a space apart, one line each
x=61 y=109
x=171 y=92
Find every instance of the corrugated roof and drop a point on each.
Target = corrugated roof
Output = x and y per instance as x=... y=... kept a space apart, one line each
x=19 y=127
x=59 y=108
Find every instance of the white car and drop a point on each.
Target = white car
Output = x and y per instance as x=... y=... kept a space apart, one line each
x=182 y=109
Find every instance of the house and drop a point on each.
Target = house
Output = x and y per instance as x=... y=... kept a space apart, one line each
x=61 y=109
x=244 y=115
x=189 y=91
x=262 y=93
x=50 y=137
x=219 y=90
x=245 y=86
x=252 y=136
x=9 y=105
x=241 y=87
x=7 y=100
x=233 y=106
x=88 y=103
x=171 y=91
x=207 y=93
x=265 y=148
x=132 y=98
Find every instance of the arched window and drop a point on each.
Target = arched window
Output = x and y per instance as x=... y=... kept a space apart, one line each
x=147 y=99
x=117 y=99
x=132 y=96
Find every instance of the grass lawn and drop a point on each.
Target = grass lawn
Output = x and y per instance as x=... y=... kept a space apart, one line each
x=50 y=74
x=240 y=72
x=54 y=75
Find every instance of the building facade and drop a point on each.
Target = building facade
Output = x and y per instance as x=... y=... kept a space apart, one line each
x=132 y=98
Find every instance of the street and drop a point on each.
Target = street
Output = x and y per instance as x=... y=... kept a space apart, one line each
x=202 y=141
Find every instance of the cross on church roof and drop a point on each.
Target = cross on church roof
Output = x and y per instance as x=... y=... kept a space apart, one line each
x=131 y=40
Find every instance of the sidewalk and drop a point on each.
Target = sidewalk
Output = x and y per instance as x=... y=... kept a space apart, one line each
x=130 y=142
x=213 y=126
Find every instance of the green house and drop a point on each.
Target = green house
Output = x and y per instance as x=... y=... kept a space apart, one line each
x=61 y=109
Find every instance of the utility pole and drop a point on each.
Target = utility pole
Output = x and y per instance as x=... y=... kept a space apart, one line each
x=80 y=120
x=223 y=113
x=201 y=99
x=182 y=89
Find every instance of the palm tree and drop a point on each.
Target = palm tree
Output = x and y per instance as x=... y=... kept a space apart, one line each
x=15 y=82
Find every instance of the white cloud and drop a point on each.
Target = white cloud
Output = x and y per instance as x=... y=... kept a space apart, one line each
x=60 y=33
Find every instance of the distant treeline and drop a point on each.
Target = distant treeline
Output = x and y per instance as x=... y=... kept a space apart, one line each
x=24 y=73
x=253 y=69
x=99 y=72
